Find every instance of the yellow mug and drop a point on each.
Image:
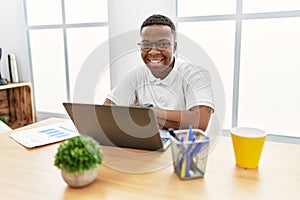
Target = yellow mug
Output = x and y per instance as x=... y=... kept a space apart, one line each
x=247 y=144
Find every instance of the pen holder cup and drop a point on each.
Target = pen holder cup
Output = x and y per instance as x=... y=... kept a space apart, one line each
x=189 y=157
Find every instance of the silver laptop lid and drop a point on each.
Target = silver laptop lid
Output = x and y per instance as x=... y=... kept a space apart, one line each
x=132 y=127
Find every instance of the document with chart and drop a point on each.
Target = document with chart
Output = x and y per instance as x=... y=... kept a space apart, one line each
x=45 y=135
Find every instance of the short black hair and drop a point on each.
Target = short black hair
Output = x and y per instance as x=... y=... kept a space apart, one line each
x=158 y=19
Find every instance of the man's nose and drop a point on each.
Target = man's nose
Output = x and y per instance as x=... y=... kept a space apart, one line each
x=154 y=50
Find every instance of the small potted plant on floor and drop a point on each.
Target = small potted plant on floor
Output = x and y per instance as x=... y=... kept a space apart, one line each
x=79 y=158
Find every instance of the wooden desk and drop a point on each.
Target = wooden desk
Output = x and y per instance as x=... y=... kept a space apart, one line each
x=30 y=174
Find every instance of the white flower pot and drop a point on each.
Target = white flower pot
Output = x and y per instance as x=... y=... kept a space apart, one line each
x=80 y=180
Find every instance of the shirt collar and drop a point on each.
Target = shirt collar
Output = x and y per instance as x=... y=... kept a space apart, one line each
x=166 y=81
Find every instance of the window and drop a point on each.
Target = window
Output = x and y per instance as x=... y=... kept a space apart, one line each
x=79 y=49
x=85 y=11
x=62 y=34
x=188 y=8
x=217 y=40
x=260 y=76
x=256 y=6
x=43 y=12
x=269 y=78
x=48 y=69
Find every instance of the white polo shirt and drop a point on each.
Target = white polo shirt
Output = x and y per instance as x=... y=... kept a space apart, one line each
x=185 y=86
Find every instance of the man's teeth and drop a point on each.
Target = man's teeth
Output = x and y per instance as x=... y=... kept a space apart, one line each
x=155 y=61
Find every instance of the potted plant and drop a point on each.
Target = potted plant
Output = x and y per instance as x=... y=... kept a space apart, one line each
x=79 y=158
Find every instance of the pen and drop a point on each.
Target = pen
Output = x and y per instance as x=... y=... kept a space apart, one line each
x=183 y=165
x=191 y=135
x=189 y=152
x=148 y=105
x=199 y=145
x=171 y=131
x=186 y=155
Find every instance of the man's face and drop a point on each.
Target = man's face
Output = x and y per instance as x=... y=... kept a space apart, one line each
x=159 y=56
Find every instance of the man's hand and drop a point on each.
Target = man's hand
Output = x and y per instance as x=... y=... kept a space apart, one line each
x=197 y=116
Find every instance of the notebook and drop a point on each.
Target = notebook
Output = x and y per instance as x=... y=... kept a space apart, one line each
x=112 y=125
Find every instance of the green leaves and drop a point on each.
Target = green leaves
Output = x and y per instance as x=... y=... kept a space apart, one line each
x=78 y=154
x=3 y=119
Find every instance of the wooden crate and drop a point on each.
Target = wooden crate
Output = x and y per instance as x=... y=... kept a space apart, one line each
x=16 y=104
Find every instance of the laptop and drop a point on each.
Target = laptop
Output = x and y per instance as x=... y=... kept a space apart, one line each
x=111 y=125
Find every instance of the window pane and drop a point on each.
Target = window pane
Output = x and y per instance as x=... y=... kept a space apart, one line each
x=270 y=5
x=269 y=81
x=48 y=69
x=217 y=39
x=205 y=7
x=81 y=43
x=80 y=11
x=43 y=12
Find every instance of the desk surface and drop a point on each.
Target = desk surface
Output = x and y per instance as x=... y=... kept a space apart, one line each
x=30 y=174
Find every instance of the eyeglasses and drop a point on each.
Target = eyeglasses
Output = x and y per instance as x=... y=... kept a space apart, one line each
x=160 y=45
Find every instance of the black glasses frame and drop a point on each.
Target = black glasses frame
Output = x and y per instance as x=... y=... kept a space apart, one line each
x=158 y=45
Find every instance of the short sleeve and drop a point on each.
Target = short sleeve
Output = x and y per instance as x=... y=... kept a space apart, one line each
x=198 y=88
x=124 y=92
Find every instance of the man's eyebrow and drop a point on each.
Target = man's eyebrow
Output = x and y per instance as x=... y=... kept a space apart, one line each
x=157 y=40
x=164 y=40
x=161 y=40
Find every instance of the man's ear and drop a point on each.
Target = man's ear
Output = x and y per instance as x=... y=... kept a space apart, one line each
x=175 y=47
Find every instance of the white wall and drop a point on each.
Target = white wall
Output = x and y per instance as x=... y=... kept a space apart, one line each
x=13 y=37
x=125 y=18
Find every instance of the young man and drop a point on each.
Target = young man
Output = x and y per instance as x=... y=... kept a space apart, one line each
x=179 y=92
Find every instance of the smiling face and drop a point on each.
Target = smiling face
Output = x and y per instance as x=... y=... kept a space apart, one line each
x=159 y=60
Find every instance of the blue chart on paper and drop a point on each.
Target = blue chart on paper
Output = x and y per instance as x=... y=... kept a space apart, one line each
x=57 y=132
x=45 y=134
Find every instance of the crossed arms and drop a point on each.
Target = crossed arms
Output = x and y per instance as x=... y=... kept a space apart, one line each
x=197 y=116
